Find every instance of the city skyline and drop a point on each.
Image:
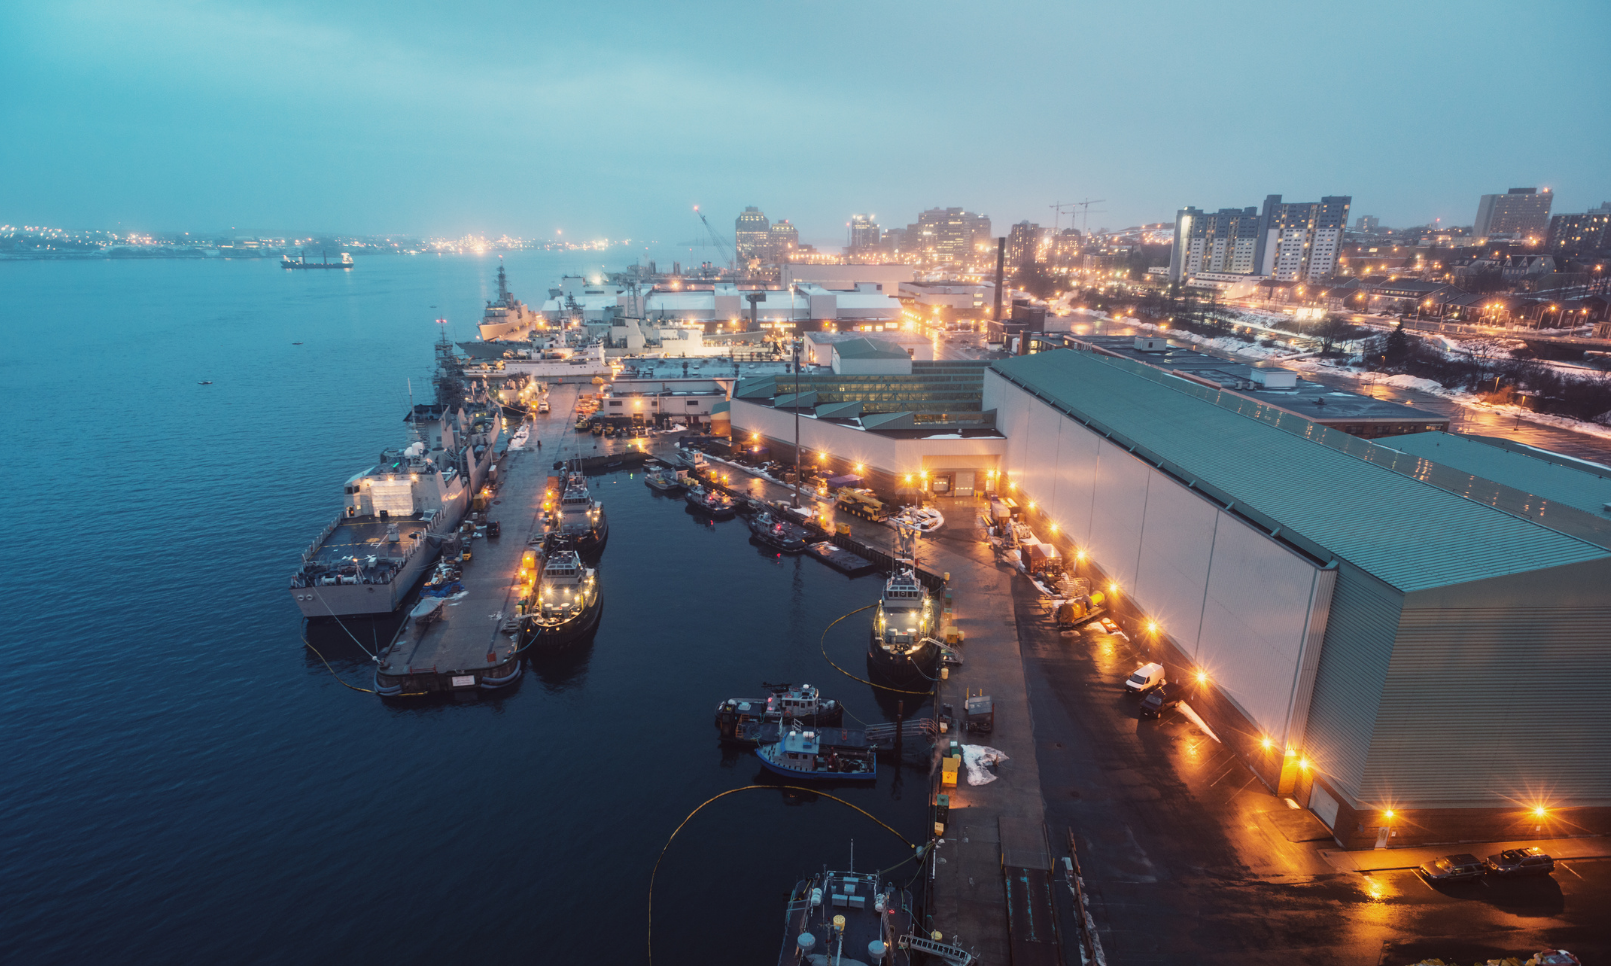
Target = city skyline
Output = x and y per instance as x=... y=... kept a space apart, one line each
x=360 y=120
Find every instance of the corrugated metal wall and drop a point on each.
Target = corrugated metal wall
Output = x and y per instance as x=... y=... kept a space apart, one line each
x=1348 y=681
x=1240 y=603
x=1499 y=694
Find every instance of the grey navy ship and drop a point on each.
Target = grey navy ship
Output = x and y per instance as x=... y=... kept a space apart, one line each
x=397 y=515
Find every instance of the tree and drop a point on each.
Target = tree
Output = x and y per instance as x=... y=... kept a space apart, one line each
x=1397 y=347
x=1332 y=330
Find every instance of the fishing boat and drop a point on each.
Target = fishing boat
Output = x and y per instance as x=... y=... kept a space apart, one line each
x=579 y=523
x=834 y=754
x=665 y=480
x=902 y=651
x=566 y=603
x=849 y=917
x=784 y=703
x=711 y=502
x=777 y=533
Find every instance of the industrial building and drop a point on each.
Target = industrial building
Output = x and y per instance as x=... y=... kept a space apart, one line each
x=904 y=427
x=1410 y=638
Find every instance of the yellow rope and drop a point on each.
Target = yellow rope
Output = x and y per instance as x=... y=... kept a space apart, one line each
x=846 y=673
x=730 y=791
x=332 y=670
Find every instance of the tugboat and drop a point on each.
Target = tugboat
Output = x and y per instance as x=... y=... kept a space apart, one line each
x=566 y=604
x=802 y=705
x=902 y=650
x=664 y=480
x=847 y=917
x=779 y=534
x=581 y=524
x=711 y=502
x=836 y=754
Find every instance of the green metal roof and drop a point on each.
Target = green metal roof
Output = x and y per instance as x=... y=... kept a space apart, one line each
x=1572 y=482
x=1412 y=523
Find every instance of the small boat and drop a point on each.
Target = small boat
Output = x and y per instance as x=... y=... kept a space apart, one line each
x=837 y=754
x=712 y=502
x=579 y=521
x=665 y=480
x=852 y=917
x=694 y=460
x=777 y=533
x=902 y=650
x=427 y=611
x=800 y=705
x=205 y=382
x=566 y=604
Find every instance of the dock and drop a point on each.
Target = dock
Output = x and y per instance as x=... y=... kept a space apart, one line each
x=468 y=649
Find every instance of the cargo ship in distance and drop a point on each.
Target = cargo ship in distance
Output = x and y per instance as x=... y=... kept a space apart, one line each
x=396 y=517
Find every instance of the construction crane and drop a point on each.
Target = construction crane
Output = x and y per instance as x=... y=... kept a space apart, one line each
x=1085 y=213
x=718 y=241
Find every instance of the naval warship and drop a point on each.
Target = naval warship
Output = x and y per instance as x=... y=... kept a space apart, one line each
x=397 y=515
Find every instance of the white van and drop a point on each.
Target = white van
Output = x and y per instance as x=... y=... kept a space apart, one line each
x=1145 y=678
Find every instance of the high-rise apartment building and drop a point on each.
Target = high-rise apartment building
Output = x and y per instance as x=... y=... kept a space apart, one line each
x=1521 y=212
x=750 y=234
x=1283 y=240
x=1367 y=223
x=1585 y=234
x=1223 y=241
x=1023 y=244
x=1302 y=241
x=863 y=233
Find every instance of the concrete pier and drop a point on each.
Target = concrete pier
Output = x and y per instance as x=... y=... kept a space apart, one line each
x=467 y=649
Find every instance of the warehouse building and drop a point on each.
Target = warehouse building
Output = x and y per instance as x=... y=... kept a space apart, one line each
x=903 y=427
x=1412 y=638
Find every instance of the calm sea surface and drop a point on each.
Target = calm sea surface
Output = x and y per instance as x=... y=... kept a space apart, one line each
x=184 y=782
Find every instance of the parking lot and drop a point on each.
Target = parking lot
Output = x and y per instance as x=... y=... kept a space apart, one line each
x=1188 y=858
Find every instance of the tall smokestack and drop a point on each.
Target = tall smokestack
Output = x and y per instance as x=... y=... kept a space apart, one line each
x=1001 y=265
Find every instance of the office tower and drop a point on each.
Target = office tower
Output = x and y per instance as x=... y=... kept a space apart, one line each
x=781 y=241
x=863 y=233
x=750 y=234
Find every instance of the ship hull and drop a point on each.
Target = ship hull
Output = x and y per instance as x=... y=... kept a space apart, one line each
x=870 y=775
x=915 y=672
x=543 y=636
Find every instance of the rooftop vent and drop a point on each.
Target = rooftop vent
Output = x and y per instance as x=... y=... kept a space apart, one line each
x=1151 y=343
x=1275 y=378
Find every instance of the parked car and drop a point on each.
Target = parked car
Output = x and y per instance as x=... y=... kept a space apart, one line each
x=1528 y=861
x=1145 y=678
x=1453 y=868
x=1163 y=699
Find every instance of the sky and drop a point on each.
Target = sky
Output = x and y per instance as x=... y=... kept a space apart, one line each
x=613 y=119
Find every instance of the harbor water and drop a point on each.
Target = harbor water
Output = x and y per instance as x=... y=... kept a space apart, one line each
x=187 y=783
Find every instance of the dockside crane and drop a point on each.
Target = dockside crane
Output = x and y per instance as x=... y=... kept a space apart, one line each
x=721 y=244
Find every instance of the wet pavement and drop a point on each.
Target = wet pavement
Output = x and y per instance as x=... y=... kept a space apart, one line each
x=1186 y=855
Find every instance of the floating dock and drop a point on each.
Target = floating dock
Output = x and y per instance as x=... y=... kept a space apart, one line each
x=467 y=648
x=841 y=560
